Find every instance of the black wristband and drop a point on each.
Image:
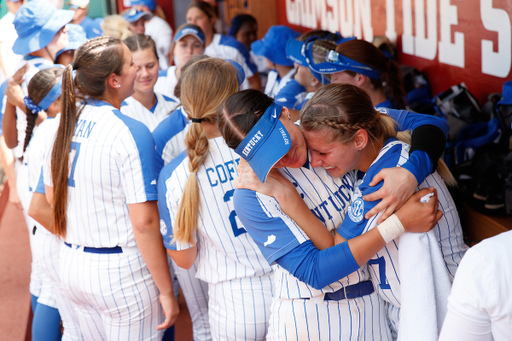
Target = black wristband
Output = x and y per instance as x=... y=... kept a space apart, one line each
x=431 y=140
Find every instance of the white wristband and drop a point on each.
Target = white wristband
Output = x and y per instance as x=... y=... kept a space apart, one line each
x=391 y=228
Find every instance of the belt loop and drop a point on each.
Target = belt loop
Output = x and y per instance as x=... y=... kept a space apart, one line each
x=345 y=292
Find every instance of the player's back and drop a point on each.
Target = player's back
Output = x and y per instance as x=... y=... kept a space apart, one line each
x=111 y=166
x=226 y=251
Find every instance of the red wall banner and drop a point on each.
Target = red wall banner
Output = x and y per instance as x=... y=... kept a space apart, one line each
x=452 y=41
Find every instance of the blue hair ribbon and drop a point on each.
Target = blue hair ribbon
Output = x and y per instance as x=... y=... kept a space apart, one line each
x=31 y=105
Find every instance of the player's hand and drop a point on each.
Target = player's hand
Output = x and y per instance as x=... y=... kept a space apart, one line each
x=399 y=185
x=171 y=310
x=275 y=185
x=18 y=75
x=14 y=93
x=417 y=216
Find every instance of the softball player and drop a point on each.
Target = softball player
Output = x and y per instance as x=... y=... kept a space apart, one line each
x=345 y=149
x=169 y=139
x=302 y=299
x=272 y=47
x=146 y=105
x=198 y=218
x=44 y=91
x=218 y=45
x=479 y=306
x=360 y=63
x=101 y=183
x=188 y=42
x=42 y=32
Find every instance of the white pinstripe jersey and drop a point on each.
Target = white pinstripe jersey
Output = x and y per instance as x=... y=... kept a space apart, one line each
x=226 y=251
x=384 y=265
x=276 y=234
x=169 y=137
x=227 y=47
x=111 y=166
x=166 y=82
x=35 y=155
x=151 y=118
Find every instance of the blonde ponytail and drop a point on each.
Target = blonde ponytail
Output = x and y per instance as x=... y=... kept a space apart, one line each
x=206 y=84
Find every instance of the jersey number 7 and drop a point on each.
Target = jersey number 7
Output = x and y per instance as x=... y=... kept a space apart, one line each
x=75 y=150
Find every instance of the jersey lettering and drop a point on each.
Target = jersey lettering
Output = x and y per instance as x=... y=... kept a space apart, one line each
x=221 y=172
x=75 y=150
x=83 y=128
x=232 y=215
x=381 y=263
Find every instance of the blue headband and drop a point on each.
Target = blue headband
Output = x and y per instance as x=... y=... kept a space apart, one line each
x=50 y=97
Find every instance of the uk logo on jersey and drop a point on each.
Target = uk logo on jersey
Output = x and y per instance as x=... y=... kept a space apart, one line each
x=355 y=211
x=163 y=227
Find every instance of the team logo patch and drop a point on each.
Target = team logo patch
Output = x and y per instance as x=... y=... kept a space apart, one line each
x=382 y=110
x=270 y=240
x=163 y=227
x=355 y=211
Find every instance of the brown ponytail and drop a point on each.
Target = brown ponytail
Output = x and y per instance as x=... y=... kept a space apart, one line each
x=205 y=86
x=94 y=62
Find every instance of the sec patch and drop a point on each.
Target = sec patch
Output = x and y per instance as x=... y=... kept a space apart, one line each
x=356 y=210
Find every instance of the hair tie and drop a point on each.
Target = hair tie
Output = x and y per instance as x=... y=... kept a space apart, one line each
x=34 y=109
x=196 y=120
x=74 y=66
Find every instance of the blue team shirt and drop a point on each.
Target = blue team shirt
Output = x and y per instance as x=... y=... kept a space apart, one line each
x=165 y=131
x=291 y=95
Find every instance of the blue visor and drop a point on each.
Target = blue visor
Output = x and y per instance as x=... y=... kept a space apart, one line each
x=190 y=31
x=134 y=14
x=266 y=143
x=295 y=51
x=336 y=62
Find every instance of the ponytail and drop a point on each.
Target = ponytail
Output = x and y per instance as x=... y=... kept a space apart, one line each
x=94 y=62
x=205 y=86
x=60 y=153
x=394 y=84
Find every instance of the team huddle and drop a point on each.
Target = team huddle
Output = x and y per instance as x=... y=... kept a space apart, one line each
x=277 y=200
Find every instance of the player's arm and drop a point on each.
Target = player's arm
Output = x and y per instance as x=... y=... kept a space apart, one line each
x=146 y=229
x=39 y=209
x=7 y=160
x=184 y=258
x=320 y=268
x=186 y=255
x=428 y=142
x=277 y=186
x=9 y=125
